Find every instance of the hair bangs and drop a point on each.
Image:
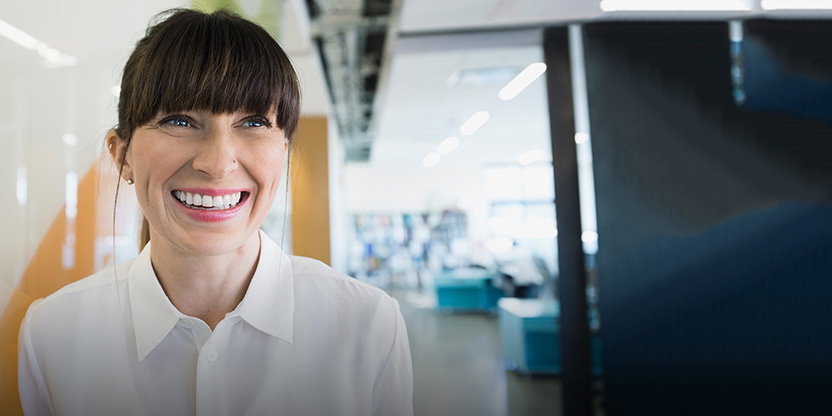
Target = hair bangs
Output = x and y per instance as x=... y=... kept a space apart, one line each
x=217 y=62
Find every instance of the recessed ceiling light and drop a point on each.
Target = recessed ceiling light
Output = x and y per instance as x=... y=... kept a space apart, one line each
x=482 y=77
x=581 y=137
x=447 y=146
x=473 y=123
x=522 y=80
x=431 y=159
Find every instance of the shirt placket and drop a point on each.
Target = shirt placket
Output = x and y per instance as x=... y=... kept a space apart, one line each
x=211 y=390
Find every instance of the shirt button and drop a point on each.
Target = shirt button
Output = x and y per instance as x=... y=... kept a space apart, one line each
x=211 y=356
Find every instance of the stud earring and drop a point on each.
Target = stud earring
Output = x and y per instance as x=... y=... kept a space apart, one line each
x=129 y=181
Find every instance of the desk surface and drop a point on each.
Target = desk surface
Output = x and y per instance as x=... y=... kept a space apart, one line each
x=530 y=308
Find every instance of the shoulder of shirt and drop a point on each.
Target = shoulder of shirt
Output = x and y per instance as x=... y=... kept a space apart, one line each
x=101 y=280
x=308 y=271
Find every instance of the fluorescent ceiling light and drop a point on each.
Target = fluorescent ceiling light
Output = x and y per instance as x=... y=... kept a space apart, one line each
x=54 y=58
x=531 y=157
x=522 y=80
x=431 y=159
x=475 y=122
x=481 y=77
x=796 y=4
x=18 y=36
x=447 y=146
x=675 y=5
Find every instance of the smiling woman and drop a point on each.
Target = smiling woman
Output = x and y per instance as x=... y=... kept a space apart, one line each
x=211 y=317
x=217 y=156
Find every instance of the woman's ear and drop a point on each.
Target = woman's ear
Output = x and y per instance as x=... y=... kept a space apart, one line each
x=118 y=148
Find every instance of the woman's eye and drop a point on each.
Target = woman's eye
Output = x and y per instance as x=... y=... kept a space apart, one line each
x=256 y=122
x=177 y=121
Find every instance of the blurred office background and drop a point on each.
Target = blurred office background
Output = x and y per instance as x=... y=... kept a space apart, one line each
x=684 y=265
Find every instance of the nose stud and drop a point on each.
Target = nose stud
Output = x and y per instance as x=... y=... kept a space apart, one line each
x=234 y=161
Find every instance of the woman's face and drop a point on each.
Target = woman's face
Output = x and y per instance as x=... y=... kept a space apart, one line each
x=206 y=181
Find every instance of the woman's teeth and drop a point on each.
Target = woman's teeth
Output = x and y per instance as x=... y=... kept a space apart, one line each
x=207 y=201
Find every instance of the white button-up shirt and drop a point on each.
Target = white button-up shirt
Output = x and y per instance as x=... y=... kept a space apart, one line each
x=305 y=340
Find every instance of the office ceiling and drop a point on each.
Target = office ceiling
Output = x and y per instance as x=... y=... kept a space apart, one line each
x=403 y=102
x=385 y=64
x=437 y=83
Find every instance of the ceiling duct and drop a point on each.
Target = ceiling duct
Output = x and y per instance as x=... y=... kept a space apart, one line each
x=352 y=38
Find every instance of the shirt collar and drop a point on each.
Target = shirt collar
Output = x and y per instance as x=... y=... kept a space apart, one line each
x=153 y=314
x=268 y=304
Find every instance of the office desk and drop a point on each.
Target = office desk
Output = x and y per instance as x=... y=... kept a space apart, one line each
x=467 y=289
x=530 y=336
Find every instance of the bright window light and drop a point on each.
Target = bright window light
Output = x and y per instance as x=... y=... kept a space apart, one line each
x=796 y=4
x=447 y=146
x=499 y=245
x=504 y=182
x=675 y=5
x=530 y=157
x=504 y=226
x=522 y=80
x=536 y=227
x=70 y=139
x=22 y=186
x=431 y=159
x=53 y=57
x=474 y=123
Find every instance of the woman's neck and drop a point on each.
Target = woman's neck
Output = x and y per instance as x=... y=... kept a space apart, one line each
x=205 y=287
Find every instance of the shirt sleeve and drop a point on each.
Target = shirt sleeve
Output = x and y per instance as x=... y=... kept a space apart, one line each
x=393 y=391
x=34 y=396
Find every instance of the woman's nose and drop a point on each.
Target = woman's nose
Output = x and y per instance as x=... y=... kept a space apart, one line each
x=216 y=156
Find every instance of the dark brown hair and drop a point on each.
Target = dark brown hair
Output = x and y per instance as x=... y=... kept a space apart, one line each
x=221 y=62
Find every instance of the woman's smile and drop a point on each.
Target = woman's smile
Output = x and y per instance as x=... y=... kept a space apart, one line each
x=211 y=199
x=211 y=205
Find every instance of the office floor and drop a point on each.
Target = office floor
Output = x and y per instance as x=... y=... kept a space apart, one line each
x=458 y=367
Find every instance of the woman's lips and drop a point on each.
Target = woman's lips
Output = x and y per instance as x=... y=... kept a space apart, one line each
x=210 y=205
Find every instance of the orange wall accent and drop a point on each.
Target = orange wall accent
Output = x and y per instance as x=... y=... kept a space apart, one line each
x=45 y=272
x=309 y=179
